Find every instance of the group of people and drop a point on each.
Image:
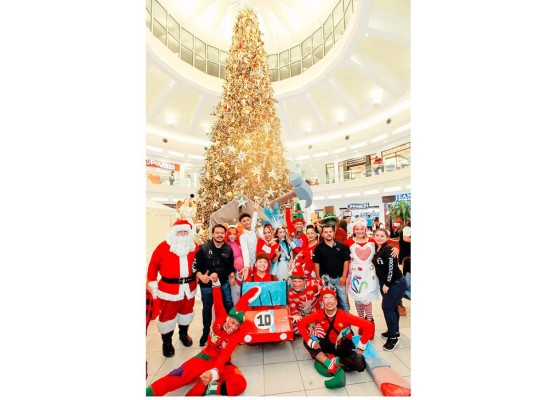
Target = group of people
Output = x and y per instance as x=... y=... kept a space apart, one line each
x=321 y=272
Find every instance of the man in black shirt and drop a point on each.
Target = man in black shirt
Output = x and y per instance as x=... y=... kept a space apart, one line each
x=213 y=256
x=332 y=257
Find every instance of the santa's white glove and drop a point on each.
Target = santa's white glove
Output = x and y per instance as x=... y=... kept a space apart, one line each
x=312 y=343
x=361 y=346
x=154 y=290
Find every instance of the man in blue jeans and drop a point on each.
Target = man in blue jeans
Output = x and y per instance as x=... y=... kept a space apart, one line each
x=213 y=256
x=332 y=258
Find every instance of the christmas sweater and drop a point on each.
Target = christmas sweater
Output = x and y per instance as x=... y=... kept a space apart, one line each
x=305 y=301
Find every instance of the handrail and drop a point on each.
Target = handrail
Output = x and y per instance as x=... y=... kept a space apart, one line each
x=212 y=60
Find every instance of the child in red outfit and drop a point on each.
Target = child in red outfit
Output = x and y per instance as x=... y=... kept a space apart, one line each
x=259 y=272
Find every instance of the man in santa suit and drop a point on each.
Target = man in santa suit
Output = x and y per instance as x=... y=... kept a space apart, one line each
x=172 y=260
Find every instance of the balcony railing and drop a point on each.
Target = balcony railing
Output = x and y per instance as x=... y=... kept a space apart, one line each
x=211 y=60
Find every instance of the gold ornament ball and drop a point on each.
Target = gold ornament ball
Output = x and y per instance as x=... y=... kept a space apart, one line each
x=229 y=195
x=241 y=142
x=221 y=163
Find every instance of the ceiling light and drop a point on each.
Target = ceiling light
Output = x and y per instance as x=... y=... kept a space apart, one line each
x=334 y=196
x=340 y=118
x=195 y=157
x=324 y=153
x=377 y=97
x=392 y=189
x=307 y=129
x=156 y=149
x=357 y=145
x=171 y=121
x=175 y=153
x=401 y=129
x=339 y=150
x=303 y=157
x=318 y=198
x=378 y=138
x=352 y=194
x=372 y=191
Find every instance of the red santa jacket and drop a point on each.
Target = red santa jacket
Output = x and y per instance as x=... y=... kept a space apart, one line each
x=170 y=266
x=304 y=302
x=340 y=321
x=268 y=248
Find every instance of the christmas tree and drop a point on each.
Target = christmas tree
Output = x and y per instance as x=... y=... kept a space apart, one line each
x=247 y=154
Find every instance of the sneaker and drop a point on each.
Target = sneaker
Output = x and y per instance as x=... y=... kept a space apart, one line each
x=391 y=344
x=402 y=311
x=385 y=335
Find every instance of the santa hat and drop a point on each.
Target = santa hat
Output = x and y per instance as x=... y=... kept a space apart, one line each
x=359 y=221
x=182 y=225
x=326 y=290
x=298 y=272
x=242 y=305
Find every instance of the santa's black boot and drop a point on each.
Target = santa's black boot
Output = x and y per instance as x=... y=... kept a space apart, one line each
x=184 y=337
x=168 y=349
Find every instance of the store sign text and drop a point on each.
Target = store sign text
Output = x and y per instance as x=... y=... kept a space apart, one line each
x=403 y=196
x=358 y=205
x=161 y=164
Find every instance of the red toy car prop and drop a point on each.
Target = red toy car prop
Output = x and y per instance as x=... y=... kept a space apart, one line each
x=269 y=313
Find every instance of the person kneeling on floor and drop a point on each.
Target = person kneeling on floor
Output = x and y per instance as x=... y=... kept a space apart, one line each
x=212 y=367
x=327 y=336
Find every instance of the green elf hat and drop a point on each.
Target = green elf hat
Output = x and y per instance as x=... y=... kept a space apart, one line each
x=298 y=216
x=237 y=312
x=329 y=219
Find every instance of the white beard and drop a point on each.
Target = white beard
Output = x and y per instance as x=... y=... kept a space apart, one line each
x=180 y=245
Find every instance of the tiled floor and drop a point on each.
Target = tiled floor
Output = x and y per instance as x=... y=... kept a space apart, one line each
x=284 y=368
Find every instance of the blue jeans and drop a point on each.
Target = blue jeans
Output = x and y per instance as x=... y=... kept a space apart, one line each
x=341 y=294
x=207 y=303
x=390 y=304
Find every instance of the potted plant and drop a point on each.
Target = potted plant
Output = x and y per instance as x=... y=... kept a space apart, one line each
x=401 y=210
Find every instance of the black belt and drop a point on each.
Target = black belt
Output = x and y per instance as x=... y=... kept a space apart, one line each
x=178 y=280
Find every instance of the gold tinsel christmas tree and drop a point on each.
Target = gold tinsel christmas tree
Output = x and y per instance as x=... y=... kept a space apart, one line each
x=247 y=156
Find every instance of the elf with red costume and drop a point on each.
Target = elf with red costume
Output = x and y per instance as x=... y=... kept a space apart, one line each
x=327 y=336
x=295 y=226
x=172 y=260
x=212 y=367
x=302 y=296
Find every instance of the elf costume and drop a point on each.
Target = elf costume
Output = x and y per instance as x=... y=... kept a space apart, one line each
x=227 y=379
